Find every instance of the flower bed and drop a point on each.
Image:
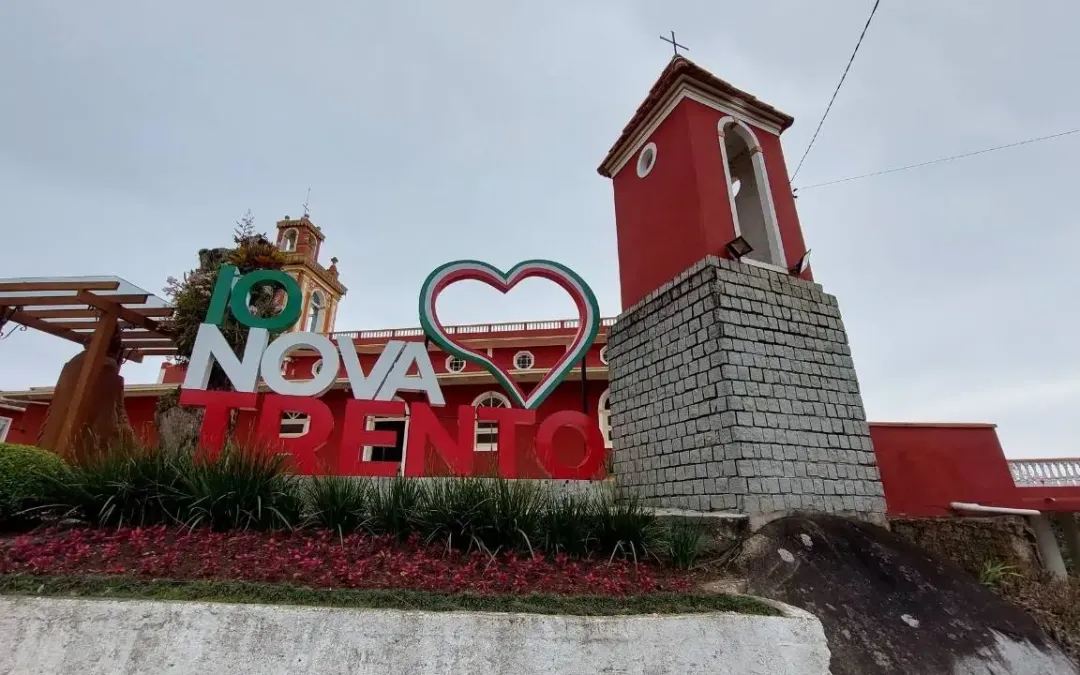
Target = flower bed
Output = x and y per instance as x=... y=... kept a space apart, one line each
x=321 y=559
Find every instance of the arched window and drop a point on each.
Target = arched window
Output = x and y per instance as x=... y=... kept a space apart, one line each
x=316 y=309
x=293 y=424
x=487 y=433
x=400 y=427
x=603 y=415
x=288 y=241
x=748 y=192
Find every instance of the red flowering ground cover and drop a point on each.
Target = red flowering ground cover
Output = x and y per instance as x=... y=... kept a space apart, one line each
x=320 y=559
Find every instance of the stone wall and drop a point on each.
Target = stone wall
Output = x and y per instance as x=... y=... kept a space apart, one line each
x=733 y=388
x=973 y=543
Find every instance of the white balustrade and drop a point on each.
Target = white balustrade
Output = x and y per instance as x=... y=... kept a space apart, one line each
x=473 y=329
x=1045 y=472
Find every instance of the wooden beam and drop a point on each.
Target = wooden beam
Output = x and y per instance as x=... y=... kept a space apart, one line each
x=46 y=327
x=161 y=312
x=85 y=387
x=71 y=325
x=151 y=344
x=72 y=285
x=47 y=301
x=137 y=333
x=154 y=351
x=113 y=304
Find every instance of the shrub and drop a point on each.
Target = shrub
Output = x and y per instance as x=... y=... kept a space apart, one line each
x=339 y=503
x=624 y=527
x=683 y=542
x=515 y=515
x=27 y=480
x=125 y=484
x=491 y=513
x=242 y=488
x=396 y=508
x=568 y=525
x=456 y=510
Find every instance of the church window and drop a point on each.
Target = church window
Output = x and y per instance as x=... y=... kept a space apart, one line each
x=315 y=312
x=603 y=355
x=748 y=192
x=455 y=364
x=646 y=160
x=288 y=241
x=294 y=425
x=603 y=416
x=5 y=427
x=487 y=433
x=316 y=368
x=524 y=360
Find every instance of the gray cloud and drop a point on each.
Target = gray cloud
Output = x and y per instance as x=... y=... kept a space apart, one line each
x=133 y=134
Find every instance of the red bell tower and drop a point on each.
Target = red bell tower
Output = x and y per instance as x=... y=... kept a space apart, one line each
x=699 y=171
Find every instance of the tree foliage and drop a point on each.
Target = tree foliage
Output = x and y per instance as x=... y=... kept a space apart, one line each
x=191 y=293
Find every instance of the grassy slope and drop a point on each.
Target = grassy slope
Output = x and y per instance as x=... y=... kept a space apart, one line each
x=283 y=594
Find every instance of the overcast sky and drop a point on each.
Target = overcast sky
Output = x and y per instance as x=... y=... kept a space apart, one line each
x=134 y=133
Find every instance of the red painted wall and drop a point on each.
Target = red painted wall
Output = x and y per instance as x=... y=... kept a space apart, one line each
x=17 y=433
x=926 y=467
x=680 y=213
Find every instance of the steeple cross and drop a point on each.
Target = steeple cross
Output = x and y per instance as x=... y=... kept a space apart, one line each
x=674 y=45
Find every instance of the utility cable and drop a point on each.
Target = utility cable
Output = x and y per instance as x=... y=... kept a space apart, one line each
x=940 y=160
x=837 y=91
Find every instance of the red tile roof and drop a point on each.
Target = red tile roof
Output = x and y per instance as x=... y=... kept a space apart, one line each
x=682 y=68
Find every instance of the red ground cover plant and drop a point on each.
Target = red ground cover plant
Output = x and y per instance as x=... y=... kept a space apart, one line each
x=321 y=559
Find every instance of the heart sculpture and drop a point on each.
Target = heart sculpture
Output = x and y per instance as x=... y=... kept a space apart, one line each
x=460 y=270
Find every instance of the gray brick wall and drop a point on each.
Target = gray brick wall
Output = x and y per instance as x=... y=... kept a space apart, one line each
x=733 y=388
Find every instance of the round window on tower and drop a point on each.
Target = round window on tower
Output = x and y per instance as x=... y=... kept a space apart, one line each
x=646 y=160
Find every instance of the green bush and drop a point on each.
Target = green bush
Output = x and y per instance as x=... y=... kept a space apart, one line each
x=568 y=525
x=683 y=542
x=27 y=481
x=242 y=488
x=125 y=484
x=624 y=528
x=338 y=503
x=396 y=508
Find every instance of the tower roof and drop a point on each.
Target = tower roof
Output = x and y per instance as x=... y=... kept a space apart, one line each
x=682 y=73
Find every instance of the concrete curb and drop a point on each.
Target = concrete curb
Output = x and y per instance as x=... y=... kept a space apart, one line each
x=61 y=636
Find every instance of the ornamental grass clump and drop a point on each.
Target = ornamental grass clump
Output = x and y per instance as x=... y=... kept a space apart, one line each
x=568 y=525
x=624 y=528
x=28 y=477
x=338 y=503
x=242 y=488
x=123 y=484
x=684 y=541
x=396 y=508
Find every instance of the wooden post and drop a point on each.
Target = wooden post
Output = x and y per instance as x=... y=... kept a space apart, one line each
x=75 y=413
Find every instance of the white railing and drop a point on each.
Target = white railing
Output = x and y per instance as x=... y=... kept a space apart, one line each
x=473 y=329
x=1045 y=472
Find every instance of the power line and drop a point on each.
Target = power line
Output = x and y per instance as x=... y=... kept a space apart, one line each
x=837 y=91
x=941 y=159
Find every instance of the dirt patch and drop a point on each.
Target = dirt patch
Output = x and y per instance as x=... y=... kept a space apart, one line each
x=887 y=606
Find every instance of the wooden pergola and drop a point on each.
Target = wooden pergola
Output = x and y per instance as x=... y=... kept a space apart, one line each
x=94 y=312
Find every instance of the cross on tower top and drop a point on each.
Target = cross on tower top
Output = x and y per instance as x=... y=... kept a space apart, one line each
x=674 y=45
